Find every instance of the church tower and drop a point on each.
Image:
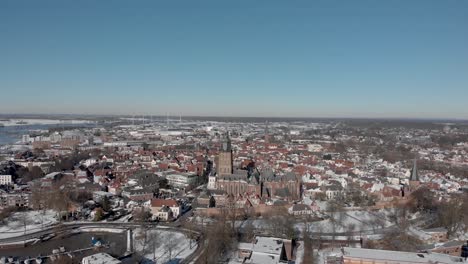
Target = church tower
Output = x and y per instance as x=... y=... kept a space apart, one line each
x=225 y=161
x=267 y=135
x=414 y=177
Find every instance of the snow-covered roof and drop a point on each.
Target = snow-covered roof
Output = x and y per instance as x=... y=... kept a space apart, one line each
x=100 y=258
x=399 y=257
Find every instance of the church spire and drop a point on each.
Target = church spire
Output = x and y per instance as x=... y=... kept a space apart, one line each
x=414 y=172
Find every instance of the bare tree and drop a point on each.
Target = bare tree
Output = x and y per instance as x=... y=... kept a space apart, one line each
x=450 y=215
x=308 y=241
x=337 y=215
x=170 y=246
x=218 y=241
x=399 y=240
x=280 y=223
x=399 y=216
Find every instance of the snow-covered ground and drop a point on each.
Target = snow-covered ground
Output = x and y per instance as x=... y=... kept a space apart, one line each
x=161 y=246
x=300 y=253
x=21 y=223
x=101 y=229
x=23 y=122
x=350 y=221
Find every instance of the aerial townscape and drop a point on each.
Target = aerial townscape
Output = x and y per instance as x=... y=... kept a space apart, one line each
x=234 y=132
x=245 y=190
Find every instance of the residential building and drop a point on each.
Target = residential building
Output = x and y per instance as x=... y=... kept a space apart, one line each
x=14 y=199
x=5 y=179
x=158 y=204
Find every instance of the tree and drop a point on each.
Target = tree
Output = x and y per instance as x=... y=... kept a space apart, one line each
x=336 y=212
x=38 y=197
x=105 y=203
x=171 y=245
x=450 y=215
x=280 y=223
x=422 y=200
x=308 y=243
x=230 y=213
x=99 y=214
x=399 y=216
x=154 y=242
x=141 y=215
x=192 y=235
x=218 y=240
x=7 y=212
x=400 y=240
x=248 y=231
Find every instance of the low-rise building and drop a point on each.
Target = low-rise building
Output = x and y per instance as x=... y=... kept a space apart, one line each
x=14 y=199
x=267 y=250
x=6 y=179
x=182 y=180
x=300 y=209
x=159 y=205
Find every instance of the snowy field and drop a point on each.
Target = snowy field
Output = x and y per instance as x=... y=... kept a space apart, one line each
x=26 y=222
x=351 y=221
x=356 y=221
x=160 y=246
x=24 y=122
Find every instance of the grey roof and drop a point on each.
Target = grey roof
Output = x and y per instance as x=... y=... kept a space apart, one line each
x=398 y=257
x=269 y=176
x=283 y=192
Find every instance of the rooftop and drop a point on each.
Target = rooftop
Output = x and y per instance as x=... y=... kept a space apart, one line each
x=399 y=257
x=100 y=258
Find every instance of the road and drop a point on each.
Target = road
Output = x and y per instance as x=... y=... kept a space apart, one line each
x=70 y=226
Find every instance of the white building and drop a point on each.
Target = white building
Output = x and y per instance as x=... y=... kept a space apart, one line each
x=182 y=180
x=5 y=180
x=211 y=183
x=26 y=139
x=90 y=162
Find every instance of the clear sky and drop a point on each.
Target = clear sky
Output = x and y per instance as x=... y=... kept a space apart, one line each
x=284 y=58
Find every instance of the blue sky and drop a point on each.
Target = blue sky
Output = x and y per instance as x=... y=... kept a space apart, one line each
x=236 y=58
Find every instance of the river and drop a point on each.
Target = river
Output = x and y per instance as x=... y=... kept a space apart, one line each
x=12 y=134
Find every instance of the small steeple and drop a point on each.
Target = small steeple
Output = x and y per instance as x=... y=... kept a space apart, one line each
x=414 y=172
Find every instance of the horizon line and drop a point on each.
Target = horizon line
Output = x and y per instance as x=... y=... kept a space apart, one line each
x=250 y=117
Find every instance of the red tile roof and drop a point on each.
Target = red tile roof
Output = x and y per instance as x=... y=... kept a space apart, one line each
x=164 y=202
